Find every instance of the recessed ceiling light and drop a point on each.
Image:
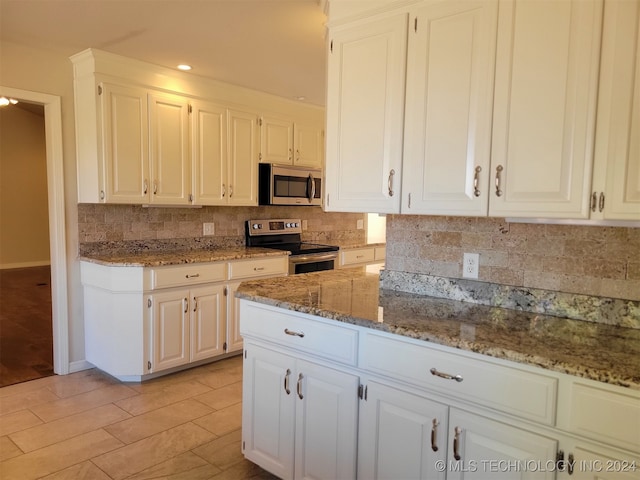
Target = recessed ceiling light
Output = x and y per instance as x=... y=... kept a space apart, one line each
x=184 y=67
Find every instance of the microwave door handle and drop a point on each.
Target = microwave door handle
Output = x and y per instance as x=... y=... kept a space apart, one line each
x=312 y=190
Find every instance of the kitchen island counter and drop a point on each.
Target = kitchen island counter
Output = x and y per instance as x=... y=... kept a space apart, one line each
x=590 y=350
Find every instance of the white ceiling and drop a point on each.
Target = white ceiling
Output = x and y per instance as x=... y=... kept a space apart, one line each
x=276 y=46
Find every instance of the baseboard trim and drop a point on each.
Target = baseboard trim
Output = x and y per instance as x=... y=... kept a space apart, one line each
x=11 y=266
x=79 y=366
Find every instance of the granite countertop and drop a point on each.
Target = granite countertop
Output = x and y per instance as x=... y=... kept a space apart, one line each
x=178 y=257
x=350 y=246
x=590 y=350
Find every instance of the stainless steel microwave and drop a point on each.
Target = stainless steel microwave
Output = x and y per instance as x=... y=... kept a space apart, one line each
x=289 y=185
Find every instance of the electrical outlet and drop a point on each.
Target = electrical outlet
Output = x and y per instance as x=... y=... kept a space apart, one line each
x=208 y=228
x=304 y=224
x=470 y=262
x=360 y=224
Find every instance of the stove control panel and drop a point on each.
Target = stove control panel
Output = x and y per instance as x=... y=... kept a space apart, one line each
x=274 y=226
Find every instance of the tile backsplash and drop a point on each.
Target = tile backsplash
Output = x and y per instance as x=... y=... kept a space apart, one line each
x=114 y=224
x=589 y=260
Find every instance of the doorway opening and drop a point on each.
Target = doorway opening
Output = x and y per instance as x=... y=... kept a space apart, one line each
x=26 y=336
x=56 y=222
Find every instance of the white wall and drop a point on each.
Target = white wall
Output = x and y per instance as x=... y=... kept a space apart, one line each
x=47 y=71
x=24 y=216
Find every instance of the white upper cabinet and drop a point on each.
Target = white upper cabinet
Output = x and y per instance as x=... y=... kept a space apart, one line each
x=308 y=145
x=169 y=149
x=118 y=148
x=224 y=153
x=287 y=142
x=545 y=101
x=242 y=173
x=276 y=140
x=209 y=152
x=616 y=181
x=448 y=108
x=365 y=111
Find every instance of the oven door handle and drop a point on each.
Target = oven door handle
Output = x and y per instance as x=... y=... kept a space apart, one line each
x=314 y=258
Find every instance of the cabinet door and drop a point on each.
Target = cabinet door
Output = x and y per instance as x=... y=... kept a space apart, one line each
x=169 y=329
x=365 y=111
x=449 y=106
x=326 y=422
x=544 y=111
x=276 y=140
x=401 y=435
x=234 y=339
x=493 y=450
x=208 y=310
x=592 y=463
x=308 y=145
x=268 y=403
x=243 y=159
x=209 y=153
x=617 y=150
x=125 y=144
x=169 y=149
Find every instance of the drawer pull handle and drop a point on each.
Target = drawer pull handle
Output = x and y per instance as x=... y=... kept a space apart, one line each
x=286 y=382
x=186 y=304
x=195 y=304
x=195 y=275
x=457 y=378
x=299 y=387
x=570 y=464
x=434 y=434
x=359 y=256
x=294 y=333
x=258 y=269
x=456 y=443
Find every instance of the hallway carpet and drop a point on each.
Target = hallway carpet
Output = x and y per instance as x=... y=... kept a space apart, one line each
x=26 y=338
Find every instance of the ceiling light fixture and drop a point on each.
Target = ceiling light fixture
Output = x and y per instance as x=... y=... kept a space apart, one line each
x=184 y=67
x=4 y=101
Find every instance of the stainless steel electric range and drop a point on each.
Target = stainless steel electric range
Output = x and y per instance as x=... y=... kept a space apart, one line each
x=286 y=234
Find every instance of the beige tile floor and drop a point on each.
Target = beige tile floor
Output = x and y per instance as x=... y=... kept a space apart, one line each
x=88 y=425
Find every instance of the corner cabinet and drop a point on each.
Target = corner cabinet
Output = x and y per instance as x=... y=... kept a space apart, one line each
x=365 y=111
x=141 y=322
x=326 y=399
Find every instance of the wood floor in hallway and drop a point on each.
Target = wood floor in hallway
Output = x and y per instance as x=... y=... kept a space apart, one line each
x=88 y=425
x=26 y=335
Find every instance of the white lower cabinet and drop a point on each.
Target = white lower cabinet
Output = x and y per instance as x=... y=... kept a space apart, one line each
x=408 y=435
x=421 y=411
x=299 y=417
x=400 y=435
x=140 y=322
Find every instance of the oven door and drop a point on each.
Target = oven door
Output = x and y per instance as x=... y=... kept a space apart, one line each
x=314 y=262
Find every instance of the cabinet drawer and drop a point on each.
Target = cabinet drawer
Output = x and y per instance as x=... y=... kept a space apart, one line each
x=507 y=389
x=358 y=255
x=260 y=267
x=380 y=253
x=328 y=340
x=604 y=415
x=184 y=275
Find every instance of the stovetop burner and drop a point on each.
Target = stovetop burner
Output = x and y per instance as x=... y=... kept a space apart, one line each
x=282 y=234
